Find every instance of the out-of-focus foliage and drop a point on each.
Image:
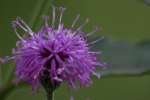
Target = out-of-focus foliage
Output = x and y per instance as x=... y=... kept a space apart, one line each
x=126 y=27
x=126 y=58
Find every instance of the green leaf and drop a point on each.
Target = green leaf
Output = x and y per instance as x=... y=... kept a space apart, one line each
x=125 y=57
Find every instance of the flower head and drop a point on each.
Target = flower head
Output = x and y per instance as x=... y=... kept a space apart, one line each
x=58 y=53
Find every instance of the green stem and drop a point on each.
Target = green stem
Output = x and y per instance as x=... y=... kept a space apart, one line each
x=50 y=96
x=45 y=81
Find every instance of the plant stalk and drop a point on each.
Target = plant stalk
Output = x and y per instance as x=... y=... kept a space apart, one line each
x=50 y=96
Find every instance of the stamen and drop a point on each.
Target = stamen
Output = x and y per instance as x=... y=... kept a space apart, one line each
x=96 y=29
x=1 y=61
x=60 y=70
x=58 y=79
x=97 y=40
x=102 y=65
x=53 y=15
x=24 y=26
x=60 y=27
x=61 y=14
x=75 y=21
x=98 y=75
x=81 y=26
x=71 y=98
x=17 y=23
x=14 y=25
x=6 y=59
x=45 y=18
x=59 y=59
x=96 y=52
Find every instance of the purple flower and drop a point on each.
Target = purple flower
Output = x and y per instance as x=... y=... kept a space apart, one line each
x=61 y=53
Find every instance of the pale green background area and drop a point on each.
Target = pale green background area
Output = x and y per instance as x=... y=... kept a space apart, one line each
x=118 y=88
x=120 y=19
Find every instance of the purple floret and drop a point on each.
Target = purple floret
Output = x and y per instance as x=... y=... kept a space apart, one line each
x=63 y=52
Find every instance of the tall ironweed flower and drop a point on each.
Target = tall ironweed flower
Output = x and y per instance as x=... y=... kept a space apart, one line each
x=55 y=53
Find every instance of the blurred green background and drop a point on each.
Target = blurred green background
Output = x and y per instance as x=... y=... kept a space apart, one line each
x=126 y=26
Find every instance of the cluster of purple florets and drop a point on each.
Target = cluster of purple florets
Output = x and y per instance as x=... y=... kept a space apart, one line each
x=63 y=52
